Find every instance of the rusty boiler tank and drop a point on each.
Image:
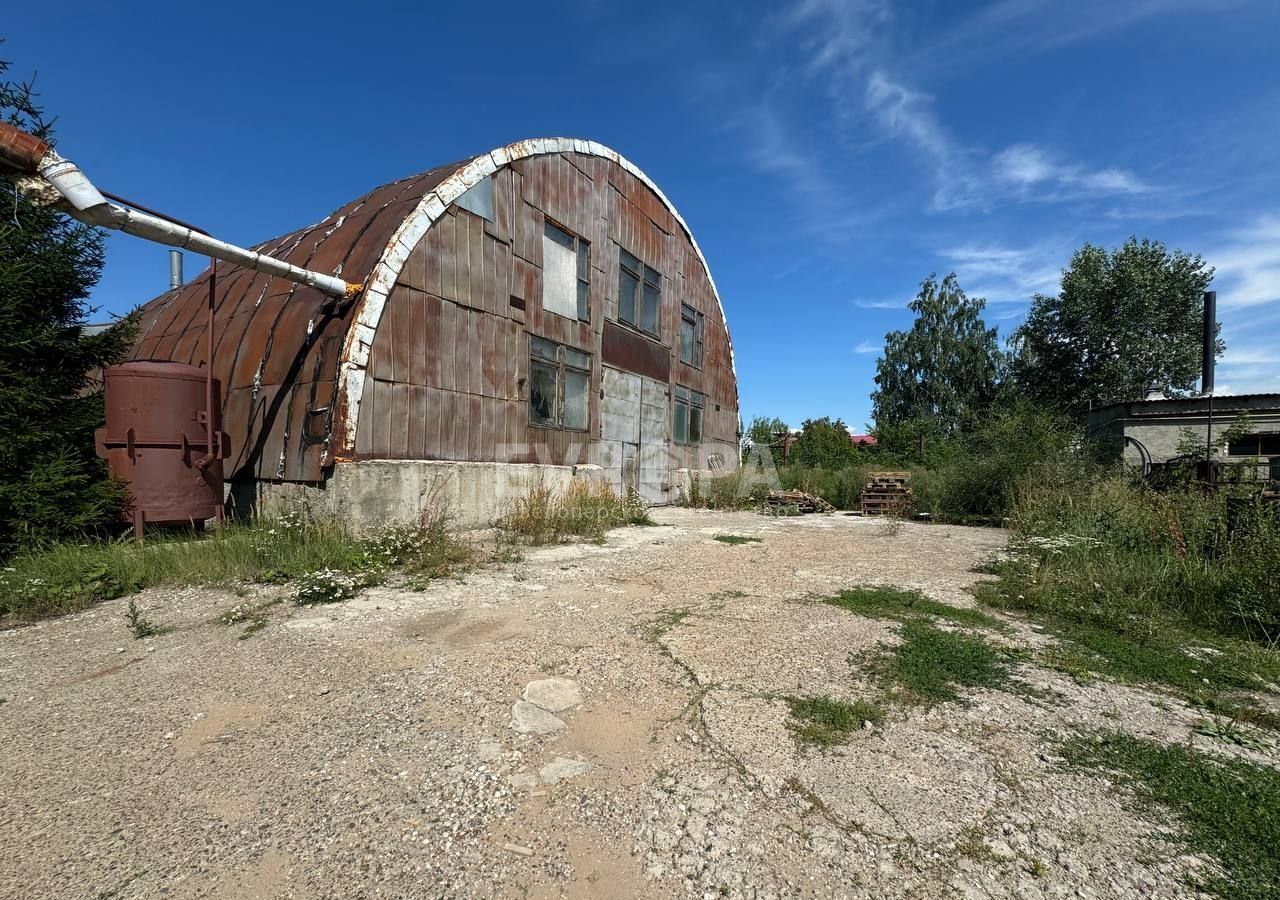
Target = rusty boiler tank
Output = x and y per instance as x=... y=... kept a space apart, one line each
x=157 y=439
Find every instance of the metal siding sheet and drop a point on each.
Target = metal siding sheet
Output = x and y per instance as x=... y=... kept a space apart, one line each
x=414 y=272
x=448 y=343
x=475 y=427
x=476 y=241
x=446 y=259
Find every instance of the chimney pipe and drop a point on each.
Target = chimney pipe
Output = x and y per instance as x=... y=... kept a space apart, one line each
x=175 y=269
x=1210 y=343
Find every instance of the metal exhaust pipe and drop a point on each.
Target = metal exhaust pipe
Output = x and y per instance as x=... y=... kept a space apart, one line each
x=1210 y=344
x=175 y=269
x=48 y=179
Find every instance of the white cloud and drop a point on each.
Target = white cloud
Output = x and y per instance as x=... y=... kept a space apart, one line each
x=868 y=347
x=1007 y=274
x=1025 y=166
x=881 y=304
x=1247 y=265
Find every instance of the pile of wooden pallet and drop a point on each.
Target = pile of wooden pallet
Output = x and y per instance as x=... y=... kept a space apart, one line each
x=799 y=501
x=887 y=494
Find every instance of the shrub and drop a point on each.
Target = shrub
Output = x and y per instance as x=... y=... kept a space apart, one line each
x=1149 y=587
x=728 y=491
x=842 y=488
x=324 y=586
x=430 y=549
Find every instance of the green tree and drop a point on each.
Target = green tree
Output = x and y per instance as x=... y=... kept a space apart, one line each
x=764 y=431
x=1124 y=319
x=946 y=371
x=823 y=443
x=51 y=483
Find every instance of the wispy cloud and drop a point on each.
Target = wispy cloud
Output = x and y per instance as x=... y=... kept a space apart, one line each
x=881 y=304
x=847 y=35
x=1025 y=167
x=1011 y=28
x=843 y=41
x=1007 y=274
x=1247 y=279
x=908 y=115
x=1247 y=265
x=869 y=347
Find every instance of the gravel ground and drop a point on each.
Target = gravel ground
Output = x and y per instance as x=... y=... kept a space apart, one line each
x=368 y=749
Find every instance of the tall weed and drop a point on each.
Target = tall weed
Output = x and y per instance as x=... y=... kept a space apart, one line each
x=585 y=509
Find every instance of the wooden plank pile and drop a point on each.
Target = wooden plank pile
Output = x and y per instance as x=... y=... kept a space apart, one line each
x=887 y=494
x=799 y=501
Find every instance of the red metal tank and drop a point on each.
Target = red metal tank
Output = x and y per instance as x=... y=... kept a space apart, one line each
x=156 y=439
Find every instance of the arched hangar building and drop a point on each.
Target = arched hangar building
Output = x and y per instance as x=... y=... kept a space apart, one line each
x=529 y=313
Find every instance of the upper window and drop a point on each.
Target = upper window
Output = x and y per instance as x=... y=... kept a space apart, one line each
x=559 y=385
x=687 y=428
x=690 y=336
x=566 y=273
x=639 y=293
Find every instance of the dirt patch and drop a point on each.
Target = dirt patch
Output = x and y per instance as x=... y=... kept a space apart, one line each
x=367 y=748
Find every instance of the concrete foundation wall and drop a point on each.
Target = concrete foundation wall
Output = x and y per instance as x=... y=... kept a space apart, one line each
x=1161 y=437
x=372 y=492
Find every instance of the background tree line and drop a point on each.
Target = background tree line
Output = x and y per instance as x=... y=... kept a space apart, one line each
x=1123 y=319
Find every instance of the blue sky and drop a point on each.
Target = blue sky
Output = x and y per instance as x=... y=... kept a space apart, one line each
x=828 y=155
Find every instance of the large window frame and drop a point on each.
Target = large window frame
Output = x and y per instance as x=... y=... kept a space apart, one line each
x=639 y=295
x=559 y=386
x=686 y=421
x=691 y=328
x=581 y=248
x=1260 y=444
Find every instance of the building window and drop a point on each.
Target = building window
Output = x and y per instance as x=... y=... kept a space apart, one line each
x=690 y=336
x=688 y=416
x=566 y=273
x=559 y=385
x=1255 y=445
x=639 y=293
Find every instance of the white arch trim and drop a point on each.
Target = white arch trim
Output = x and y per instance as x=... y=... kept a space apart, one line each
x=373 y=300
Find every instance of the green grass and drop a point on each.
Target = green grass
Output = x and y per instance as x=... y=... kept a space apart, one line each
x=1227 y=808
x=736 y=539
x=67 y=577
x=825 y=721
x=930 y=664
x=1175 y=589
x=883 y=602
x=1148 y=645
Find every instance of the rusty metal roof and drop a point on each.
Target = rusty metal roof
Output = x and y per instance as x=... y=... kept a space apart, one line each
x=270 y=332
